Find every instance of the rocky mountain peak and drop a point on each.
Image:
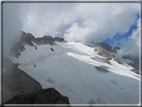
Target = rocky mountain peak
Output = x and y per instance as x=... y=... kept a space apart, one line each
x=29 y=39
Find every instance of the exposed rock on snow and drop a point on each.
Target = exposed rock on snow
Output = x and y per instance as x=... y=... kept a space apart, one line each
x=44 y=96
x=118 y=61
x=106 y=61
x=52 y=49
x=96 y=49
x=105 y=54
x=108 y=56
x=135 y=60
x=136 y=71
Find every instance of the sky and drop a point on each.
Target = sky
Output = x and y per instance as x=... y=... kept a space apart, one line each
x=116 y=38
x=113 y=23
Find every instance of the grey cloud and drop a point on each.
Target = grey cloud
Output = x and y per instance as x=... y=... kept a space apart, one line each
x=11 y=25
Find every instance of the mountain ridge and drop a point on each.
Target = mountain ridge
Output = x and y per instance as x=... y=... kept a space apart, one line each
x=28 y=38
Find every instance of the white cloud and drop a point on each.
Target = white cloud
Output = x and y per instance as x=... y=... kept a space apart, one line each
x=132 y=45
x=47 y=18
x=76 y=33
x=103 y=20
x=136 y=34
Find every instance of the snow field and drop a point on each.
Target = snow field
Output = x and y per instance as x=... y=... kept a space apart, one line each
x=71 y=71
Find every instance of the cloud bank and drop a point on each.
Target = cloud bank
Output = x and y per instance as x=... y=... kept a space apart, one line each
x=84 y=22
x=99 y=20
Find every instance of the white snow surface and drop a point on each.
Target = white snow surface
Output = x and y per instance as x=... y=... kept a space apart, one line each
x=70 y=69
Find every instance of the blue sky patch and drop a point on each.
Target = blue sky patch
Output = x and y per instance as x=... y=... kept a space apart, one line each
x=117 y=37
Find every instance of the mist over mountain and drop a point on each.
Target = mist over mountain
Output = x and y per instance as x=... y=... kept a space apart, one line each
x=85 y=73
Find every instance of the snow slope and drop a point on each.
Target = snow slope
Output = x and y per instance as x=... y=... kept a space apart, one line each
x=71 y=69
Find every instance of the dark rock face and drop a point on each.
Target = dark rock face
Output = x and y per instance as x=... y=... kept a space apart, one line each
x=6 y=62
x=132 y=65
x=45 y=40
x=134 y=59
x=44 y=96
x=52 y=49
x=59 y=39
x=136 y=71
x=29 y=39
x=15 y=80
x=108 y=47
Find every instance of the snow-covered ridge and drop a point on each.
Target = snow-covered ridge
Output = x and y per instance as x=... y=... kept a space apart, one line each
x=76 y=71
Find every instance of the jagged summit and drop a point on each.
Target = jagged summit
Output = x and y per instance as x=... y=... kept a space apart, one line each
x=29 y=39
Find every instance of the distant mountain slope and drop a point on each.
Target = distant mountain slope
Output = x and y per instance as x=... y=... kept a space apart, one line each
x=113 y=49
x=108 y=47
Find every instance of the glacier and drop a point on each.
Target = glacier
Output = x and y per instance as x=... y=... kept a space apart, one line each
x=71 y=69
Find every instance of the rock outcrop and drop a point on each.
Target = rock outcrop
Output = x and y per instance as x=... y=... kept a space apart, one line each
x=44 y=96
x=136 y=71
x=108 y=47
x=15 y=80
x=135 y=60
x=108 y=56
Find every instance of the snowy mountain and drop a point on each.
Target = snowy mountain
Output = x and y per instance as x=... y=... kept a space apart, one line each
x=86 y=74
x=129 y=59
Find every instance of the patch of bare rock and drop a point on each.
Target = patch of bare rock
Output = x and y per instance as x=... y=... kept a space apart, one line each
x=108 y=56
